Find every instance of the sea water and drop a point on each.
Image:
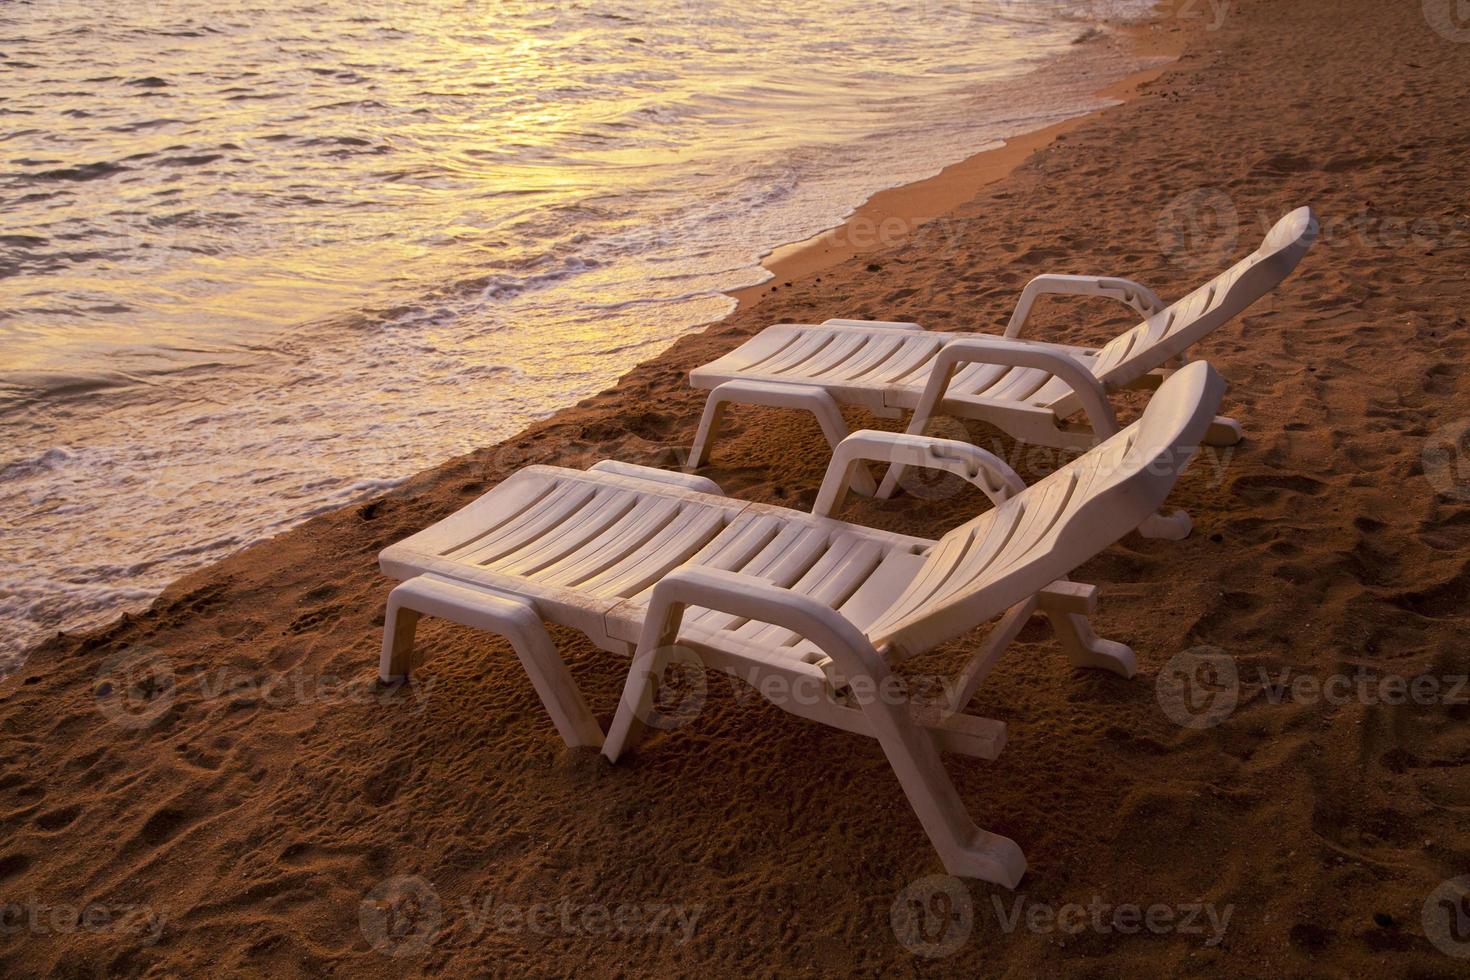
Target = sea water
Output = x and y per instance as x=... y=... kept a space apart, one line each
x=259 y=260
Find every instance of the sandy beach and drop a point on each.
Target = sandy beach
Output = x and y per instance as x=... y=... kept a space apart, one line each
x=217 y=786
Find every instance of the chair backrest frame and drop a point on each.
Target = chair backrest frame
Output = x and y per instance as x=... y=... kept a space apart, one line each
x=1172 y=330
x=1042 y=534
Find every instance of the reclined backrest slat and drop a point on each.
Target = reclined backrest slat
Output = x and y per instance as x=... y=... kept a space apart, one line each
x=1043 y=533
x=1172 y=330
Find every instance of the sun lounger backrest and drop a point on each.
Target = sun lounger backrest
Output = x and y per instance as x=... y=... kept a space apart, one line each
x=1171 y=331
x=1046 y=531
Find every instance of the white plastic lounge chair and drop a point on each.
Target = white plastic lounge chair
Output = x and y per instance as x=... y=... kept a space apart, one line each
x=1026 y=388
x=642 y=560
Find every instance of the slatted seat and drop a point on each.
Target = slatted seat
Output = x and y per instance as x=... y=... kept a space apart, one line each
x=589 y=546
x=1028 y=388
x=882 y=369
x=649 y=563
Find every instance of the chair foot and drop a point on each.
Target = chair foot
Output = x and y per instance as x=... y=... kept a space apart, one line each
x=988 y=857
x=1169 y=527
x=1084 y=648
x=965 y=850
x=1223 y=432
x=623 y=735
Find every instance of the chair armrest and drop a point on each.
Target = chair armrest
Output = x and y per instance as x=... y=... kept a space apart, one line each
x=1139 y=297
x=651 y=474
x=849 y=654
x=984 y=469
x=756 y=598
x=875 y=324
x=1012 y=353
x=1017 y=353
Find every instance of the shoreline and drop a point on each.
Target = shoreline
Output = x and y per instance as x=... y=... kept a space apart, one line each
x=250 y=792
x=892 y=215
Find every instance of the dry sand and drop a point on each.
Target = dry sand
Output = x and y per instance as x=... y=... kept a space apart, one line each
x=256 y=812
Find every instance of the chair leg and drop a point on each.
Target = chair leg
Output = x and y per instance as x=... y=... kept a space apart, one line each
x=709 y=427
x=774 y=394
x=1001 y=636
x=512 y=618
x=914 y=754
x=912 y=750
x=1067 y=605
x=399 y=657
x=639 y=691
x=553 y=682
x=965 y=850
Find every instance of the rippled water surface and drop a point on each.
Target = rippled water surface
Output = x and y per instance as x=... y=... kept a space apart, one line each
x=258 y=261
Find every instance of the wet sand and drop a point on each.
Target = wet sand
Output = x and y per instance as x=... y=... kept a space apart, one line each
x=239 y=818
